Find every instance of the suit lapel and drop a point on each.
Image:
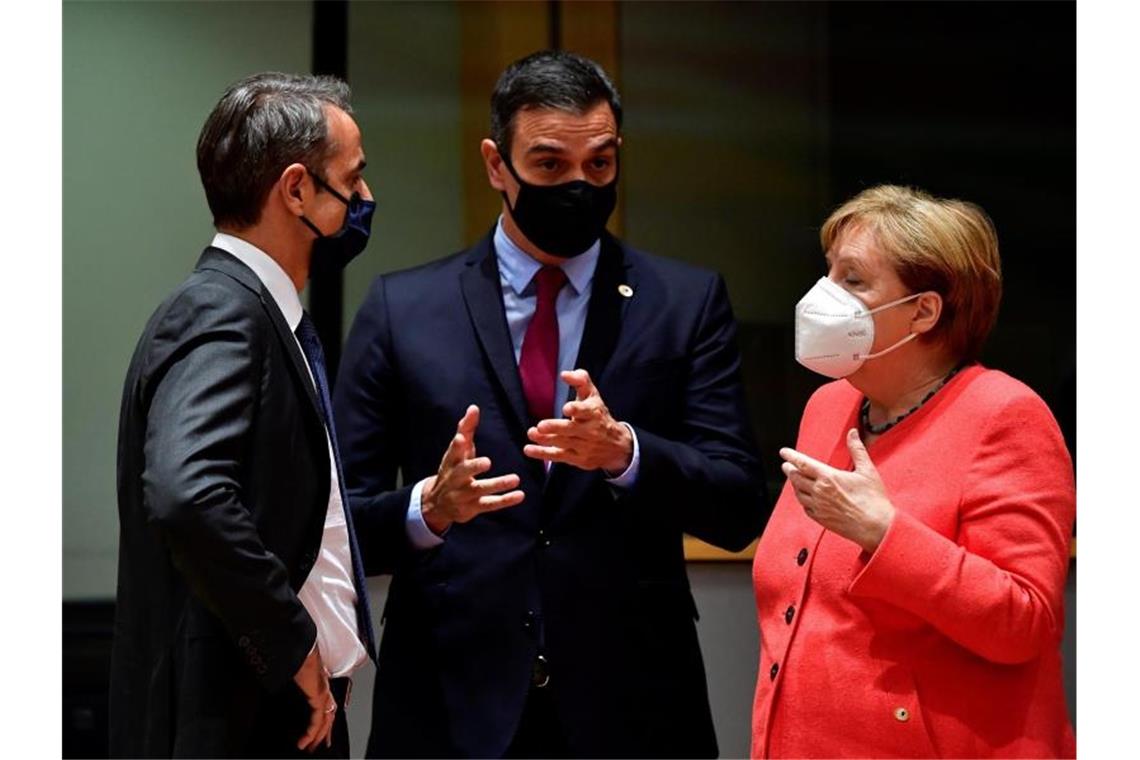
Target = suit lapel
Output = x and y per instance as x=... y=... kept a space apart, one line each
x=604 y=318
x=606 y=310
x=482 y=293
x=221 y=261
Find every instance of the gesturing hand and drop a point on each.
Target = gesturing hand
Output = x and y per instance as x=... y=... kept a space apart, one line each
x=453 y=494
x=852 y=504
x=313 y=680
x=589 y=439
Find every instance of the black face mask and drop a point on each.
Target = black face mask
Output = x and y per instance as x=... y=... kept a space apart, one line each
x=562 y=220
x=333 y=252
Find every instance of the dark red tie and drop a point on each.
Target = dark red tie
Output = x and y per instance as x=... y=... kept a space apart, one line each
x=538 y=362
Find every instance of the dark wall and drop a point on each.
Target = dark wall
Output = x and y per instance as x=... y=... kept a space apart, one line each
x=976 y=101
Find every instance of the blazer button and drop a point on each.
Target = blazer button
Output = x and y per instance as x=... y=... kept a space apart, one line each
x=775 y=669
x=789 y=614
x=801 y=558
x=543 y=539
x=902 y=715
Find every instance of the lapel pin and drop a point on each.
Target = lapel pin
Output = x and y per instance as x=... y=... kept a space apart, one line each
x=626 y=291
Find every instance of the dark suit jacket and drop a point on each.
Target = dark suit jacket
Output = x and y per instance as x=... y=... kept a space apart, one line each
x=594 y=577
x=223 y=481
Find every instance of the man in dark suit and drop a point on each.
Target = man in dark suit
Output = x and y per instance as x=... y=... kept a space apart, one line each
x=539 y=603
x=241 y=609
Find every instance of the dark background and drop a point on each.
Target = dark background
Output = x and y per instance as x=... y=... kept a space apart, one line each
x=968 y=100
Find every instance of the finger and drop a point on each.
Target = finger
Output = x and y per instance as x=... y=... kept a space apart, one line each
x=492 y=503
x=469 y=421
x=316 y=718
x=801 y=485
x=859 y=456
x=561 y=441
x=555 y=426
x=330 y=721
x=805 y=464
x=456 y=451
x=495 y=485
x=790 y=471
x=581 y=411
x=547 y=453
x=470 y=468
x=579 y=380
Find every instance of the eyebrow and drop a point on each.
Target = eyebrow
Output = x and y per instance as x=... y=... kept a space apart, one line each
x=545 y=148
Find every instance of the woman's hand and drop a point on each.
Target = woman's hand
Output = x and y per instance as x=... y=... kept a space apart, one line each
x=851 y=504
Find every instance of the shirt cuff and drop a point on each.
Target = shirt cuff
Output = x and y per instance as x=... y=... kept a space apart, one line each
x=629 y=477
x=419 y=534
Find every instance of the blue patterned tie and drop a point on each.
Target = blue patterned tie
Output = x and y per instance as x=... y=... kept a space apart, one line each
x=311 y=346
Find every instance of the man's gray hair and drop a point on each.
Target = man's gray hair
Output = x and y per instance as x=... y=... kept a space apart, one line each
x=261 y=125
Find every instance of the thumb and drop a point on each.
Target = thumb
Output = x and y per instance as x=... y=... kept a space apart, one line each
x=859 y=456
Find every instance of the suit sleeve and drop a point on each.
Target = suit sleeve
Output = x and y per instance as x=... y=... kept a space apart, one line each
x=708 y=474
x=998 y=590
x=202 y=396
x=370 y=424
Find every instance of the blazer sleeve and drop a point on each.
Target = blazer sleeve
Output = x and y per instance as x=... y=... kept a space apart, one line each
x=998 y=591
x=369 y=422
x=204 y=388
x=707 y=474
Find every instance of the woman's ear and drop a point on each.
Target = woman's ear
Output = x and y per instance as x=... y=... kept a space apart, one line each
x=928 y=313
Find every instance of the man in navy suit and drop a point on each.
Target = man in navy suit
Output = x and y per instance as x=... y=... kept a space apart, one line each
x=562 y=408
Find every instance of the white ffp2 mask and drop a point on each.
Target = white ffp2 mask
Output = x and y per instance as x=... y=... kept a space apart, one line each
x=835 y=330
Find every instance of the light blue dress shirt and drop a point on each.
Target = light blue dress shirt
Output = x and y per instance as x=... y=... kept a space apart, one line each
x=516 y=276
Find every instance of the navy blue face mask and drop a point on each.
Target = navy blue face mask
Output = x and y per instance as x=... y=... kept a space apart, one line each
x=333 y=252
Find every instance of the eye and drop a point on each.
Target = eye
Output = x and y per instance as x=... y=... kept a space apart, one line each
x=852 y=280
x=548 y=164
x=600 y=163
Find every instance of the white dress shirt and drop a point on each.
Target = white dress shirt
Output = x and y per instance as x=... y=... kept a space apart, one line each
x=328 y=593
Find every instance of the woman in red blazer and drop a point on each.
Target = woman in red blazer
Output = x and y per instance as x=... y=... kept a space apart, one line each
x=909 y=584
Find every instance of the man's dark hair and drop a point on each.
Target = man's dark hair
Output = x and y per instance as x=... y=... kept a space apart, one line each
x=262 y=124
x=548 y=79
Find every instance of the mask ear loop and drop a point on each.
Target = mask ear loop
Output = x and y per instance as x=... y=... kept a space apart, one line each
x=888 y=349
x=904 y=299
x=906 y=339
x=335 y=193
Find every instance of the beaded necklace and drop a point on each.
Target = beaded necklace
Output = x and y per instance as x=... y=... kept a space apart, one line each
x=865 y=408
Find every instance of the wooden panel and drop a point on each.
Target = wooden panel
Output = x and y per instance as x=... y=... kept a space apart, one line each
x=697 y=550
x=492 y=35
x=591 y=29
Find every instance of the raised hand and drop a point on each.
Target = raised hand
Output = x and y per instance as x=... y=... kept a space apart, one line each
x=852 y=504
x=589 y=439
x=454 y=494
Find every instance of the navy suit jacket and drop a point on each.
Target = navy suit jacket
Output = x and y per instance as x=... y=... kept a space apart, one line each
x=592 y=576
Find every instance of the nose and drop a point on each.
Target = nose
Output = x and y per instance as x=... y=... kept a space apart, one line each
x=366 y=193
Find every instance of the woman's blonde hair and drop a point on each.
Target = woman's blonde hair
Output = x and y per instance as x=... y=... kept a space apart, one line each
x=935 y=244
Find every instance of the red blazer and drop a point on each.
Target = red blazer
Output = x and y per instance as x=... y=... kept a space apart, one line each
x=946 y=640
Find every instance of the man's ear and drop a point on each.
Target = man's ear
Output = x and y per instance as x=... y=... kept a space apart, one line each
x=294 y=187
x=493 y=162
x=928 y=313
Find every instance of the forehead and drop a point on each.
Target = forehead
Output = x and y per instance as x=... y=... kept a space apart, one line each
x=344 y=134
x=857 y=244
x=556 y=125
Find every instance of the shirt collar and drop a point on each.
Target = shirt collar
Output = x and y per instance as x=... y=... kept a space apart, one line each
x=270 y=273
x=518 y=268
